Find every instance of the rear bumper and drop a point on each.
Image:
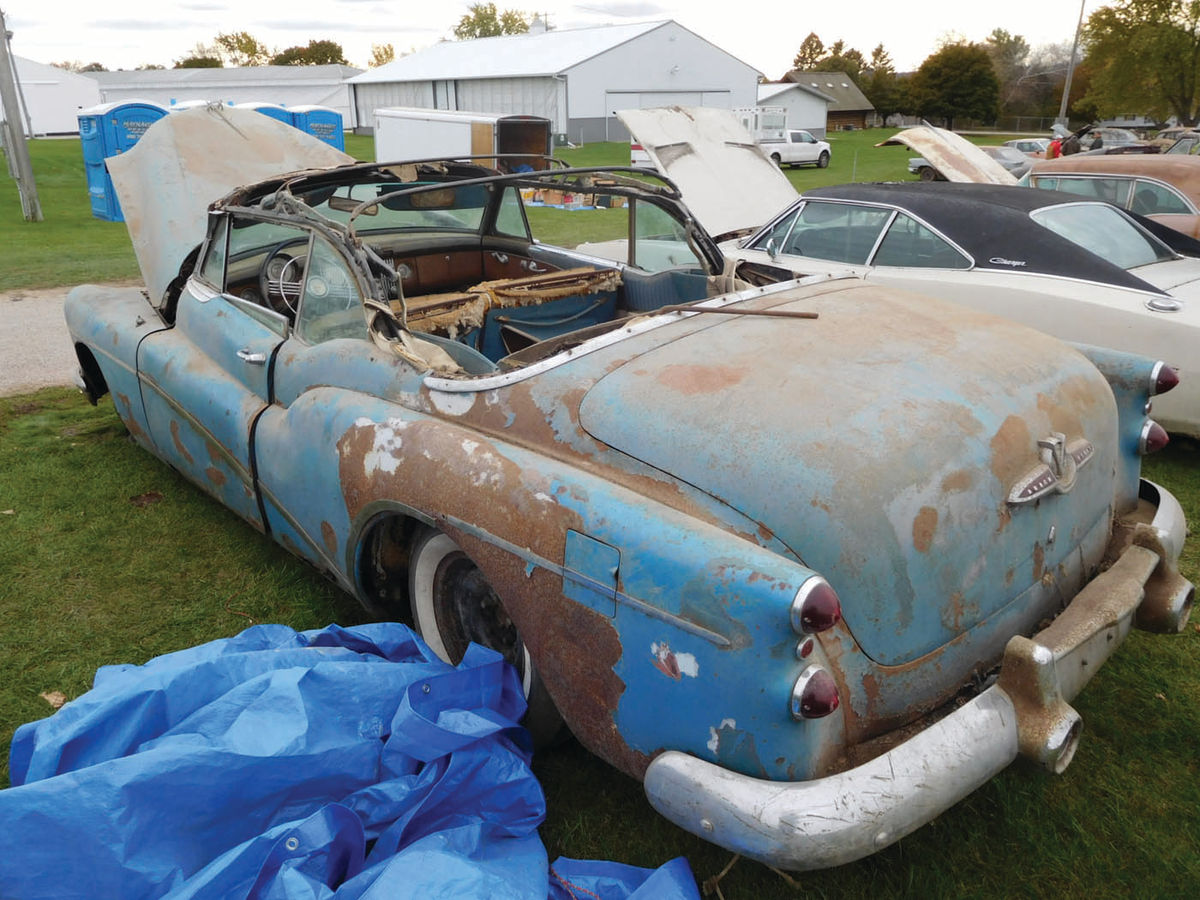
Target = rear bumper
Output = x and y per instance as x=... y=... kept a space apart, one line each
x=843 y=817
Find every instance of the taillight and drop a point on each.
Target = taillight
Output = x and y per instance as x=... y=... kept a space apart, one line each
x=814 y=694
x=815 y=607
x=1162 y=379
x=1153 y=438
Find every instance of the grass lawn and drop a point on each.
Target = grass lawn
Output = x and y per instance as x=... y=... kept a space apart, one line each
x=108 y=556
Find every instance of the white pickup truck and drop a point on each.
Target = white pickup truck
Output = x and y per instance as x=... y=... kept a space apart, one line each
x=796 y=148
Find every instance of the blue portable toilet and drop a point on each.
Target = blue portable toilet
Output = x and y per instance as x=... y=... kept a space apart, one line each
x=271 y=110
x=321 y=122
x=109 y=130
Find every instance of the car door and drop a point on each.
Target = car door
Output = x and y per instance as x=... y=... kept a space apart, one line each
x=206 y=381
x=328 y=377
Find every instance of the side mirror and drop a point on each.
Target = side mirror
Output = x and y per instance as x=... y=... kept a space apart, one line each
x=772 y=249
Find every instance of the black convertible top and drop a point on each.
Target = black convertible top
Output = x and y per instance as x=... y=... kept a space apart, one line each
x=992 y=223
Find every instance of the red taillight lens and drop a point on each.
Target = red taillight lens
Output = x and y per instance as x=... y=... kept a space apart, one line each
x=1154 y=438
x=816 y=607
x=1162 y=379
x=814 y=694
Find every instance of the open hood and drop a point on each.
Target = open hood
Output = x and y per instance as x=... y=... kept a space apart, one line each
x=955 y=157
x=727 y=181
x=186 y=161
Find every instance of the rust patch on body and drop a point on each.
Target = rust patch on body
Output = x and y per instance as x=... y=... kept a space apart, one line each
x=215 y=475
x=694 y=379
x=957 y=482
x=126 y=414
x=924 y=527
x=1011 y=448
x=183 y=451
x=1039 y=562
x=329 y=536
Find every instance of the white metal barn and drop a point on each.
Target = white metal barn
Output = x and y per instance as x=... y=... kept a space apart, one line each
x=282 y=85
x=52 y=97
x=806 y=107
x=577 y=78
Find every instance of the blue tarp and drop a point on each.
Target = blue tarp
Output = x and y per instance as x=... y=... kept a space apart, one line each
x=343 y=762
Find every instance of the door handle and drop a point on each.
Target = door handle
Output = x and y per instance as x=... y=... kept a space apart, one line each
x=530 y=266
x=255 y=359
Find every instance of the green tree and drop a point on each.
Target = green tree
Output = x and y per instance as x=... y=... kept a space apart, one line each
x=198 y=62
x=811 y=49
x=483 y=20
x=381 y=55
x=879 y=82
x=956 y=82
x=240 y=48
x=1144 y=57
x=317 y=53
x=1009 y=54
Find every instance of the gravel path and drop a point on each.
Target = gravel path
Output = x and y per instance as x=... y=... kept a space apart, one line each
x=35 y=350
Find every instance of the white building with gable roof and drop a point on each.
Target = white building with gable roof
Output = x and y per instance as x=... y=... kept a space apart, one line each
x=577 y=78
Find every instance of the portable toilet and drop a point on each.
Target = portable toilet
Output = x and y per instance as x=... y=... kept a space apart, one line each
x=321 y=122
x=108 y=130
x=271 y=110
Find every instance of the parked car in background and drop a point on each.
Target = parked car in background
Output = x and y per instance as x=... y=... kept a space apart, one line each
x=1187 y=144
x=797 y=148
x=785 y=551
x=1164 y=187
x=1109 y=137
x=1081 y=271
x=1035 y=147
x=1013 y=161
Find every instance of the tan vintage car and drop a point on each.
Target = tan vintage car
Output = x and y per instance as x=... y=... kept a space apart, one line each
x=1164 y=187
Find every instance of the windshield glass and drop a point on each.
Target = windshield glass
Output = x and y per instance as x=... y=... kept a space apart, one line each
x=1105 y=231
x=449 y=208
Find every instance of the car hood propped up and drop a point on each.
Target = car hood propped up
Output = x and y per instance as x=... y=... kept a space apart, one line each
x=727 y=181
x=956 y=158
x=182 y=163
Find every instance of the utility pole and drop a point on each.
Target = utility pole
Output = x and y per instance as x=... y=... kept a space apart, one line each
x=12 y=132
x=1062 y=110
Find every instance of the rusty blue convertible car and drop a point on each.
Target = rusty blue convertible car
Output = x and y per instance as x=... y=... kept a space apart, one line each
x=813 y=559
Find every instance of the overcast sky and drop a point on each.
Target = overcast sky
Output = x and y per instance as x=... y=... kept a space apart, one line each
x=763 y=33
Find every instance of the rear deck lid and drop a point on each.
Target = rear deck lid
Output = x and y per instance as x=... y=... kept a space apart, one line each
x=881 y=442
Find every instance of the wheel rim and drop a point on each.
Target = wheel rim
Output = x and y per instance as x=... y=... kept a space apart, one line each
x=469 y=610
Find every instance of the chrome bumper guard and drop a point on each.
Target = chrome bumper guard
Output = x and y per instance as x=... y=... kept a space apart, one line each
x=844 y=817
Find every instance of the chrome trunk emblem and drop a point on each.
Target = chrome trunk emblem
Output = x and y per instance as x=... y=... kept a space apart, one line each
x=1061 y=462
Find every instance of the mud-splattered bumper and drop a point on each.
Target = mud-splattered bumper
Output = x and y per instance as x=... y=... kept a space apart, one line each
x=844 y=817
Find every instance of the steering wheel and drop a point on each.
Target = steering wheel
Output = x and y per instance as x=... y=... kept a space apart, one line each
x=331 y=285
x=277 y=290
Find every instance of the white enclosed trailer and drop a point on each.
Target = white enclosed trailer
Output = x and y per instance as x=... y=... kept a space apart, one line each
x=405 y=133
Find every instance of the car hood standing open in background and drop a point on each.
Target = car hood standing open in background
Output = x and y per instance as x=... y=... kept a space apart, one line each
x=727 y=181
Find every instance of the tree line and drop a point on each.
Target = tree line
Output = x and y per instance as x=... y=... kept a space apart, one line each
x=1137 y=57
x=240 y=48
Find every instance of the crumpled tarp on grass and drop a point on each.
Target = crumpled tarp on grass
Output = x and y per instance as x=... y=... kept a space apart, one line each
x=275 y=764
